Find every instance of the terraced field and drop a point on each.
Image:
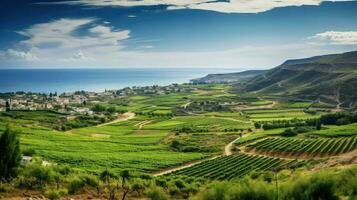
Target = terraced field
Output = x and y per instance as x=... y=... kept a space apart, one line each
x=235 y=166
x=278 y=114
x=298 y=146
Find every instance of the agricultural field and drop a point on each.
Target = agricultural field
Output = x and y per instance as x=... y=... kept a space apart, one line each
x=299 y=146
x=337 y=131
x=204 y=135
x=235 y=166
x=119 y=146
x=279 y=114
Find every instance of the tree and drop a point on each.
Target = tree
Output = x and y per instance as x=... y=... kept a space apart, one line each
x=8 y=107
x=10 y=155
x=125 y=175
x=318 y=125
x=105 y=177
x=111 y=109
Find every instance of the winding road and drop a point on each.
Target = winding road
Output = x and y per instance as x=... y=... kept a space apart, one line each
x=227 y=151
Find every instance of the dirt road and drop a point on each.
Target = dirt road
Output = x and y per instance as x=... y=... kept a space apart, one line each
x=123 y=117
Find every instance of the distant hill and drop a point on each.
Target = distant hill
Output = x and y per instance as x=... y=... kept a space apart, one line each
x=329 y=78
x=237 y=77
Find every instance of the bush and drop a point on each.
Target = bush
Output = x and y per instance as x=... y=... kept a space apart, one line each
x=243 y=190
x=319 y=186
x=37 y=175
x=55 y=194
x=52 y=194
x=219 y=191
x=90 y=180
x=156 y=194
x=138 y=187
x=28 y=152
x=75 y=185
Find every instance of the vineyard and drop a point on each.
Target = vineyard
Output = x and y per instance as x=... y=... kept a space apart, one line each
x=235 y=166
x=316 y=146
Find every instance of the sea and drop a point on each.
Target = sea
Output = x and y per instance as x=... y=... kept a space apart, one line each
x=95 y=80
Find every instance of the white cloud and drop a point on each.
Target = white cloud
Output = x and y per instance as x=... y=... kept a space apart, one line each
x=80 y=56
x=65 y=39
x=334 y=38
x=12 y=54
x=231 y=6
x=62 y=34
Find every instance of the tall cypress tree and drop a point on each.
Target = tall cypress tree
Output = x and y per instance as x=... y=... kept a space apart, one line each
x=8 y=106
x=10 y=155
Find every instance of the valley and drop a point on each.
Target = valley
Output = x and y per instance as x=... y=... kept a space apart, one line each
x=181 y=140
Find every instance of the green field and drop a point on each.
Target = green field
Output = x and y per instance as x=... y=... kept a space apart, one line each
x=235 y=166
x=297 y=146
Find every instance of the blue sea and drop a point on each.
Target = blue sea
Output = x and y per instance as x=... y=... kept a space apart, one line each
x=96 y=80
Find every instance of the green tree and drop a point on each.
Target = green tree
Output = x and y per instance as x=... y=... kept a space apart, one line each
x=125 y=175
x=318 y=125
x=8 y=107
x=10 y=155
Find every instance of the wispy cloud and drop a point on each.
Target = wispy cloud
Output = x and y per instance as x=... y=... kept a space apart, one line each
x=67 y=38
x=18 y=55
x=334 y=38
x=62 y=34
x=230 y=6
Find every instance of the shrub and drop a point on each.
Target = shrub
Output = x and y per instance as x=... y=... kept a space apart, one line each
x=90 y=180
x=52 y=194
x=319 y=186
x=55 y=194
x=179 y=183
x=156 y=194
x=219 y=191
x=75 y=185
x=28 y=152
x=37 y=175
x=161 y=182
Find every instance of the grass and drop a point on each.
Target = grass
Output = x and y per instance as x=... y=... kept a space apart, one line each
x=335 y=131
x=278 y=114
x=258 y=135
x=137 y=150
x=210 y=123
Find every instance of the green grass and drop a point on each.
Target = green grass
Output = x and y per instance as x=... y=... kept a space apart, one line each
x=258 y=135
x=210 y=123
x=278 y=114
x=333 y=131
x=118 y=146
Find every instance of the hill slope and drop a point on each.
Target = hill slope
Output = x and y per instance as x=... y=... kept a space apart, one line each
x=229 y=77
x=330 y=78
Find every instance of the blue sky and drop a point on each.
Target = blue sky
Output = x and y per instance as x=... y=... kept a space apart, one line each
x=239 y=34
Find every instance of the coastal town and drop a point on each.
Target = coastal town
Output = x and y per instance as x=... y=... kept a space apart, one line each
x=75 y=102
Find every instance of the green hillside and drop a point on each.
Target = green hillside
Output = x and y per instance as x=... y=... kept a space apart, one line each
x=238 y=77
x=330 y=79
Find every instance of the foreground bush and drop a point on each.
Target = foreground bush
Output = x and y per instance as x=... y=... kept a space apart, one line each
x=318 y=187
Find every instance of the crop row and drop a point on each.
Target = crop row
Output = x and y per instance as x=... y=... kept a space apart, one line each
x=233 y=166
x=296 y=146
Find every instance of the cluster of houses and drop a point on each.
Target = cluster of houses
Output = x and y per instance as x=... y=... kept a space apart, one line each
x=74 y=102
x=36 y=101
x=155 y=89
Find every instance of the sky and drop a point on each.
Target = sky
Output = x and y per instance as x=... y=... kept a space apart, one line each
x=229 y=34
